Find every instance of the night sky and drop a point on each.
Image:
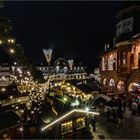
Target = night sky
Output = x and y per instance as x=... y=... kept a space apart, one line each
x=75 y=30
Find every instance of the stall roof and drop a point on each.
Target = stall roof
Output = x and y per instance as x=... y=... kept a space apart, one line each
x=84 y=87
x=9 y=119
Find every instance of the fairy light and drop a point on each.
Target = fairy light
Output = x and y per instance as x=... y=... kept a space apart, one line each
x=12 y=41
x=19 y=100
x=21 y=129
x=32 y=112
x=12 y=51
x=17 y=107
x=11 y=97
x=3 y=89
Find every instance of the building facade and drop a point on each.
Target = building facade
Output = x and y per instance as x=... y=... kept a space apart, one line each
x=120 y=63
x=62 y=70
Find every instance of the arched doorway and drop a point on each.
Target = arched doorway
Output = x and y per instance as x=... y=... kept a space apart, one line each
x=121 y=87
x=104 y=81
x=134 y=90
x=134 y=87
x=111 y=85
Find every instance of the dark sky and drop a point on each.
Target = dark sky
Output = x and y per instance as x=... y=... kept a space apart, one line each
x=75 y=30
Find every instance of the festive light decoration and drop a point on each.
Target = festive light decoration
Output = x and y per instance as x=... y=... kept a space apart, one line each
x=70 y=63
x=12 y=51
x=48 y=54
x=65 y=99
x=76 y=103
x=87 y=109
x=0 y=42
x=11 y=41
x=3 y=89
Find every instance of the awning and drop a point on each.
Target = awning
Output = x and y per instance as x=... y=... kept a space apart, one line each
x=103 y=96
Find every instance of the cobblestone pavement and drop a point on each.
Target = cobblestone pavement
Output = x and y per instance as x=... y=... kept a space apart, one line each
x=130 y=128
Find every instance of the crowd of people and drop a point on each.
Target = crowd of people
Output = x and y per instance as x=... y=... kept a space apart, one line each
x=134 y=105
x=116 y=113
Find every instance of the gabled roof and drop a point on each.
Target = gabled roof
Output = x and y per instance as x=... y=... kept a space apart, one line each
x=83 y=87
x=66 y=115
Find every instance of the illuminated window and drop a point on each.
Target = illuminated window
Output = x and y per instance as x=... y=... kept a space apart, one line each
x=111 y=83
x=110 y=62
x=80 y=122
x=121 y=86
x=133 y=87
x=103 y=64
x=66 y=127
x=124 y=58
